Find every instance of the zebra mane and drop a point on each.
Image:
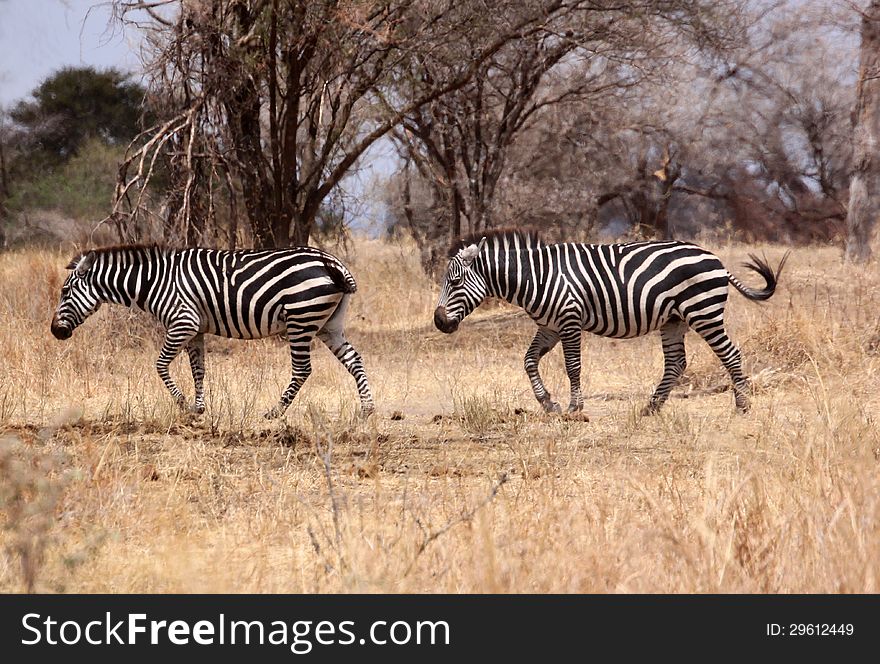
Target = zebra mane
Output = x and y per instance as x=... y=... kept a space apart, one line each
x=508 y=238
x=135 y=253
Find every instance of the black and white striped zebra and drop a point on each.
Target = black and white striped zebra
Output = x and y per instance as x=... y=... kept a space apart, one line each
x=612 y=290
x=300 y=292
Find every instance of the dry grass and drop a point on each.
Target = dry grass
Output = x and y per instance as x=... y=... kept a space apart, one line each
x=459 y=484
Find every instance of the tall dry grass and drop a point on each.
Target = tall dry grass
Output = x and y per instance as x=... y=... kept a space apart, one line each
x=459 y=484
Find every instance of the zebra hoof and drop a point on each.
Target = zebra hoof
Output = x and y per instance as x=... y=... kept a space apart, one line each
x=273 y=414
x=367 y=410
x=650 y=409
x=575 y=408
x=551 y=407
x=196 y=409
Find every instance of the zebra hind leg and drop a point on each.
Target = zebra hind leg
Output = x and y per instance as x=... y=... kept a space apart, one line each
x=674 y=363
x=176 y=337
x=571 y=349
x=730 y=356
x=354 y=363
x=542 y=344
x=299 y=336
x=333 y=336
x=196 y=352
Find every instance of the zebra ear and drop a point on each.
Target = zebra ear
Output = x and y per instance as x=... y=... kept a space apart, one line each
x=469 y=253
x=85 y=263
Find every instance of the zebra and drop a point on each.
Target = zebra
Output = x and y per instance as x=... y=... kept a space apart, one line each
x=300 y=292
x=611 y=290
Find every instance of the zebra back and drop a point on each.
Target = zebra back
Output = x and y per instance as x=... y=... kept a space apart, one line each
x=505 y=239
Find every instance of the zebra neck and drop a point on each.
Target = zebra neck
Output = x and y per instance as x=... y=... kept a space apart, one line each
x=130 y=277
x=509 y=275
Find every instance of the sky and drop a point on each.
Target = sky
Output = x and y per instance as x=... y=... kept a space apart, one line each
x=38 y=37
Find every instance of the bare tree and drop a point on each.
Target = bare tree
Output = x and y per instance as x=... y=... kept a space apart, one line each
x=864 y=189
x=274 y=101
x=461 y=143
x=5 y=184
x=753 y=140
x=4 y=168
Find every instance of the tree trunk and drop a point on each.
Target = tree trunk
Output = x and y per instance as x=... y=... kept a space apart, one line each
x=664 y=183
x=456 y=205
x=4 y=176
x=865 y=183
x=4 y=194
x=243 y=110
x=300 y=231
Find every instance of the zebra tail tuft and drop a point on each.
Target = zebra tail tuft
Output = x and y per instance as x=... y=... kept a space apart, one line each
x=763 y=268
x=341 y=277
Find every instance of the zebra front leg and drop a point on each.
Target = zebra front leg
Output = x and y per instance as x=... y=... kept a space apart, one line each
x=196 y=351
x=300 y=341
x=674 y=363
x=176 y=338
x=542 y=344
x=571 y=350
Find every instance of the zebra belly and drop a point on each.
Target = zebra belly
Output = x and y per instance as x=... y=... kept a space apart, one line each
x=627 y=333
x=626 y=327
x=235 y=328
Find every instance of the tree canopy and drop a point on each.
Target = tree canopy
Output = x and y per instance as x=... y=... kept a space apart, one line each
x=78 y=103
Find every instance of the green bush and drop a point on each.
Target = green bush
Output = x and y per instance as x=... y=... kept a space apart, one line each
x=82 y=188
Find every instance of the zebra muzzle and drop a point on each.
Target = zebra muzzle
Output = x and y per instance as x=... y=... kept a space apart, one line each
x=443 y=323
x=60 y=331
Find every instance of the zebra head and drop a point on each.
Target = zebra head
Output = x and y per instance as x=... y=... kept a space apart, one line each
x=78 y=298
x=462 y=291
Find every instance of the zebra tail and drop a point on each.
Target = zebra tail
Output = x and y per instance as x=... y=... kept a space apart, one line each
x=341 y=277
x=760 y=266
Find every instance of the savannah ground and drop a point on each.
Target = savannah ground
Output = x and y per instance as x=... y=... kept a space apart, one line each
x=459 y=483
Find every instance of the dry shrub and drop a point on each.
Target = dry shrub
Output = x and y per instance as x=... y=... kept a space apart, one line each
x=30 y=489
x=765 y=526
x=781 y=345
x=478 y=415
x=52 y=228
